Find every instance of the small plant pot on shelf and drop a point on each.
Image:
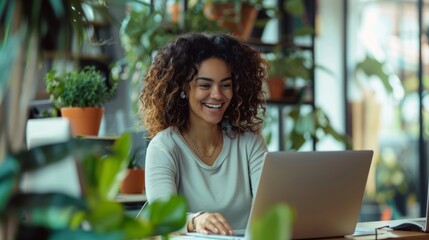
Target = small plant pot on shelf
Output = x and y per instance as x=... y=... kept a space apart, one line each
x=133 y=182
x=276 y=87
x=84 y=121
x=225 y=15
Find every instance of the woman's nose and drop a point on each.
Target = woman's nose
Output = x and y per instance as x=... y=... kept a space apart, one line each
x=216 y=92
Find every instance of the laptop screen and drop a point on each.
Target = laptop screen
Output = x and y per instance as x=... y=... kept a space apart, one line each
x=324 y=188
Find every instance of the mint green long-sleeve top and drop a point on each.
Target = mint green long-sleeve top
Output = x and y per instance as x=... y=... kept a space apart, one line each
x=227 y=187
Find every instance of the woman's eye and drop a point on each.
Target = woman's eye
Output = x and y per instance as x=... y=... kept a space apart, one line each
x=226 y=85
x=205 y=85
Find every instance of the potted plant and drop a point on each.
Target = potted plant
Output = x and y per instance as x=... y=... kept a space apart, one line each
x=290 y=65
x=133 y=181
x=238 y=16
x=134 y=178
x=81 y=95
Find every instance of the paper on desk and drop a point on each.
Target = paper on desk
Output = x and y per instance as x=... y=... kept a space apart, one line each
x=359 y=231
x=368 y=233
x=199 y=236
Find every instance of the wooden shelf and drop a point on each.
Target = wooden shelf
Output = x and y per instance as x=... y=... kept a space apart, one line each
x=75 y=56
x=269 y=47
x=286 y=101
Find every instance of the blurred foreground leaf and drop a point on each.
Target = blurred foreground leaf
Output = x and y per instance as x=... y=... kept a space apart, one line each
x=275 y=224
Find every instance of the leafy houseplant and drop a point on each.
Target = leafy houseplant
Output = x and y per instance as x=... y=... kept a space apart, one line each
x=290 y=63
x=286 y=66
x=92 y=216
x=83 y=92
x=87 y=87
x=144 y=30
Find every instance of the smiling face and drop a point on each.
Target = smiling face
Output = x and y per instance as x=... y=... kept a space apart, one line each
x=210 y=92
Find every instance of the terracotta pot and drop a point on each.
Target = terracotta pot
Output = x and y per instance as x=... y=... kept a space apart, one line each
x=276 y=87
x=84 y=121
x=224 y=13
x=174 y=12
x=133 y=182
x=249 y=15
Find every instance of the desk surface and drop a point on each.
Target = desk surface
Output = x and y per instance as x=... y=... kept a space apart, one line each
x=388 y=234
x=385 y=233
x=130 y=198
x=381 y=234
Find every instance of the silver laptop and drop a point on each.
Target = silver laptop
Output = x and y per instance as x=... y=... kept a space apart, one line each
x=325 y=189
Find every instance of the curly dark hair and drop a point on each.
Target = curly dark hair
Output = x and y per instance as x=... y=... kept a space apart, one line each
x=176 y=64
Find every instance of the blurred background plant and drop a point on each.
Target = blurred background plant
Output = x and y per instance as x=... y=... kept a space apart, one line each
x=145 y=29
x=395 y=190
x=27 y=29
x=294 y=65
x=86 y=87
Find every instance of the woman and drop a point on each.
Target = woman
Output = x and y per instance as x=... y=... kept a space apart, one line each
x=202 y=105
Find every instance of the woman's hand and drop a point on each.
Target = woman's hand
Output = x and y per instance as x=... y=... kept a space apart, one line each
x=212 y=222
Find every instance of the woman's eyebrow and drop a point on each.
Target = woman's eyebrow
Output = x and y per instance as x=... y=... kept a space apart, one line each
x=210 y=79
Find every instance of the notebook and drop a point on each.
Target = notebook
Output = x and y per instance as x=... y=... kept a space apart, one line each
x=417 y=224
x=324 y=188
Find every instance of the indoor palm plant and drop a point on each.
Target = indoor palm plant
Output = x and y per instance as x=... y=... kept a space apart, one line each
x=81 y=95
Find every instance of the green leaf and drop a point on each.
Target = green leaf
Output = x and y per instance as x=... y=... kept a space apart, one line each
x=372 y=67
x=55 y=200
x=42 y=156
x=111 y=165
x=53 y=210
x=296 y=140
x=275 y=224
x=166 y=216
x=294 y=113
x=64 y=234
x=8 y=53
x=303 y=31
x=58 y=8
x=105 y=215
x=136 y=228
x=9 y=172
x=294 y=7
x=87 y=87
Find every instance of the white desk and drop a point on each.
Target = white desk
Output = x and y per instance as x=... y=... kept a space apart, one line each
x=131 y=198
x=132 y=202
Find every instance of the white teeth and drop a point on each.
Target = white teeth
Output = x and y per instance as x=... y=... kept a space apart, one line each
x=213 y=105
